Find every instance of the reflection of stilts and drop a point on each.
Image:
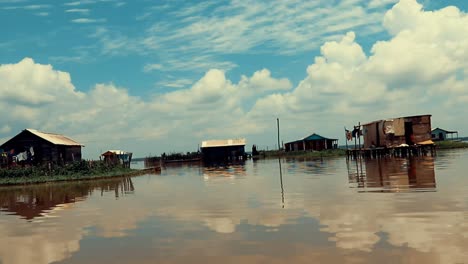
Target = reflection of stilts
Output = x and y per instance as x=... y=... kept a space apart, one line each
x=356 y=174
x=281 y=181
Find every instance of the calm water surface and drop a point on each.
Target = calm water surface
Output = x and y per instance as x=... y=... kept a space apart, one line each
x=310 y=211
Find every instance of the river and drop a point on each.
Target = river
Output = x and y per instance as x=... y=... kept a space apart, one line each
x=266 y=211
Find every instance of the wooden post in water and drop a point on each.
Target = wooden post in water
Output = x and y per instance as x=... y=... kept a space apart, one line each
x=281 y=181
x=346 y=137
x=277 y=125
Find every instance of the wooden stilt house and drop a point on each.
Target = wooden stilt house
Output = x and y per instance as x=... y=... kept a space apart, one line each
x=35 y=147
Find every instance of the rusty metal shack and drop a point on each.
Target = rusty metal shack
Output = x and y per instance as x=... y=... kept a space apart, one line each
x=395 y=132
x=34 y=147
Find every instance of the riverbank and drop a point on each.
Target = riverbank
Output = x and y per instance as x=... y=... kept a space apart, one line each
x=440 y=145
x=451 y=144
x=302 y=154
x=73 y=172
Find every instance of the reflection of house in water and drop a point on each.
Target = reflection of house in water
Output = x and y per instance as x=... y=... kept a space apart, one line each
x=393 y=174
x=231 y=171
x=34 y=201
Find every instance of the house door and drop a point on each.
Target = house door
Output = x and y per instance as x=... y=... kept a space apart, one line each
x=409 y=132
x=441 y=136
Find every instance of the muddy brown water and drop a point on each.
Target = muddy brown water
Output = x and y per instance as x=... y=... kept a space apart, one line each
x=309 y=211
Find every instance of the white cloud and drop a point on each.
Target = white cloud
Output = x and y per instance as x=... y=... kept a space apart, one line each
x=27 y=7
x=87 y=2
x=152 y=67
x=288 y=27
x=83 y=11
x=88 y=20
x=179 y=83
x=380 y=3
x=47 y=100
x=418 y=69
x=33 y=84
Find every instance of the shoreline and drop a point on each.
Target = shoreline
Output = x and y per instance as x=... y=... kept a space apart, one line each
x=64 y=178
x=341 y=152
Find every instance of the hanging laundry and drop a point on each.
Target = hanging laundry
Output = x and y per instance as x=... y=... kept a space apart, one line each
x=348 y=135
x=22 y=156
x=356 y=132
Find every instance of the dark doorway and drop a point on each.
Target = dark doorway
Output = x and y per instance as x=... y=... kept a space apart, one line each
x=377 y=133
x=441 y=136
x=409 y=133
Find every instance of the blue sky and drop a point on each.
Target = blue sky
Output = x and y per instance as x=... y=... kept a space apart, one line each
x=160 y=76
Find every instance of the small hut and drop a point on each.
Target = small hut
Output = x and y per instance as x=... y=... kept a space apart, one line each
x=117 y=157
x=394 y=132
x=34 y=147
x=311 y=142
x=223 y=150
x=442 y=134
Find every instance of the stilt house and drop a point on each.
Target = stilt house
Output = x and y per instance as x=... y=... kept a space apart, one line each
x=35 y=147
x=399 y=131
x=312 y=142
x=223 y=150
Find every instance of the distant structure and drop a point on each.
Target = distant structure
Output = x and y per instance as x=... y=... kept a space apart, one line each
x=399 y=131
x=439 y=134
x=223 y=150
x=311 y=142
x=34 y=147
x=117 y=157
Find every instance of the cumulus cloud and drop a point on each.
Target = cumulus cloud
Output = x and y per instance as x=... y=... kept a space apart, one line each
x=46 y=99
x=32 y=84
x=423 y=64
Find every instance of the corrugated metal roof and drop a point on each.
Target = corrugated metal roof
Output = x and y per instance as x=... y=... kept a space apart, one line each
x=223 y=143
x=312 y=137
x=317 y=137
x=446 y=131
x=391 y=119
x=116 y=152
x=54 y=138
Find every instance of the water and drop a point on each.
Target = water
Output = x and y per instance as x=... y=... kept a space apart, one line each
x=310 y=211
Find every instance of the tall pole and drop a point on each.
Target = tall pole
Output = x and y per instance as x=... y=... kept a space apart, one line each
x=359 y=133
x=277 y=124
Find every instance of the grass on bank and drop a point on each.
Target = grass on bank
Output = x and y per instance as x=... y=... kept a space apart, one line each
x=451 y=144
x=447 y=144
x=303 y=154
x=81 y=170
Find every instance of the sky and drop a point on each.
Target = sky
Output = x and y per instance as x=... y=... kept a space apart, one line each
x=162 y=76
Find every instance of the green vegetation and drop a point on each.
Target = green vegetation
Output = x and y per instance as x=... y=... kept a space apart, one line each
x=304 y=154
x=451 y=144
x=81 y=170
x=181 y=156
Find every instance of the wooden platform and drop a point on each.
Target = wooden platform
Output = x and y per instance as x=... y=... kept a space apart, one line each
x=403 y=151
